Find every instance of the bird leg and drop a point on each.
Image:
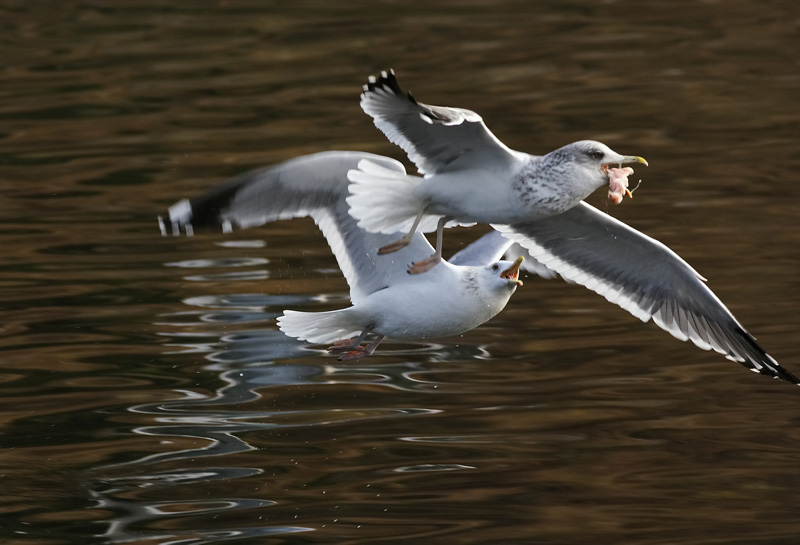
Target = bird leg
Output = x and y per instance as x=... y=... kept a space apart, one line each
x=345 y=345
x=361 y=351
x=428 y=263
x=404 y=241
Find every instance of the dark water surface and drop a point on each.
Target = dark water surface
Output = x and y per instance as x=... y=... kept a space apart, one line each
x=147 y=396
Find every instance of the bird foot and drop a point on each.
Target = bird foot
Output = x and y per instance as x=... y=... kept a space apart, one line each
x=344 y=345
x=354 y=354
x=425 y=265
x=394 y=246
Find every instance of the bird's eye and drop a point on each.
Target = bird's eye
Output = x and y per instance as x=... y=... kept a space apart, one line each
x=495 y=267
x=596 y=154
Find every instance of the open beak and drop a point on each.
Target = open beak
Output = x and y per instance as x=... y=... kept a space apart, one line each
x=512 y=273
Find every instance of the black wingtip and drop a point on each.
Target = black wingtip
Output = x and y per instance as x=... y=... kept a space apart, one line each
x=204 y=212
x=778 y=372
x=783 y=374
x=759 y=361
x=387 y=81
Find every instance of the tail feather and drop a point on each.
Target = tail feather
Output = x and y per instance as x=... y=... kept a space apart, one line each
x=319 y=327
x=383 y=200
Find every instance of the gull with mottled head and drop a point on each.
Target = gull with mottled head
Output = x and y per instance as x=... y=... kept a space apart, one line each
x=470 y=176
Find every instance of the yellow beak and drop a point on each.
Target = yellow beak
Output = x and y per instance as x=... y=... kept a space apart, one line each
x=512 y=273
x=634 y=159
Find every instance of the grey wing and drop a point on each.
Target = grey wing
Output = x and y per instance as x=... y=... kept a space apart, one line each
x=312 y=185
x=492 y=247
x=644 y=277
x=487 y=249
x=530 y=264
x=436 y=139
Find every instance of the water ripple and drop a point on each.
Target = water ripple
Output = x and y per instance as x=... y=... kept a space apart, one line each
x=218 y=262
x=563 y=420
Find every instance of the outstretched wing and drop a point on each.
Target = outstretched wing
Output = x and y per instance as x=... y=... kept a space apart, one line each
x=487 y=249
x=644 y=277
x=312 y=185
x=436 y=139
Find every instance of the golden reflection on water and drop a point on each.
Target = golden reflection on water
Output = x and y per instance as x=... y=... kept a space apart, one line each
x=148 y=398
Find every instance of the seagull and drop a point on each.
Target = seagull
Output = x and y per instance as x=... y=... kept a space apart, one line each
x=457 y=296
x=470 y=176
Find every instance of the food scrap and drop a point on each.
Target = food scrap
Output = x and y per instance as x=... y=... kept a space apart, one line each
x=618 y=183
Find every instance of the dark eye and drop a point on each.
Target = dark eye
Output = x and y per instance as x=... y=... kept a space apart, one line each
x=495 y=267
x=596 y=154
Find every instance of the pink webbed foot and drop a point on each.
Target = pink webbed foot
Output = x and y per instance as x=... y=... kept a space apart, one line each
x=356 y=353
x=425 y=265
x=353 y=352
x=394 y=246
x=344 y=345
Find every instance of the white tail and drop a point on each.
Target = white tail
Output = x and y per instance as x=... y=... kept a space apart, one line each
x=320 y=327
x=382 y=200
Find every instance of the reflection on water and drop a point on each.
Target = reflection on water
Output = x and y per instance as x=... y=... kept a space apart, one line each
x=284 y=411
x=146 y=396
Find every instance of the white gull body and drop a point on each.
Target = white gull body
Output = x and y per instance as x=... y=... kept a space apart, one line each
x=387 y=302
x=471 y=176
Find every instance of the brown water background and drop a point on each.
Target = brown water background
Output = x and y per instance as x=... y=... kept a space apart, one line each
x=147 y=396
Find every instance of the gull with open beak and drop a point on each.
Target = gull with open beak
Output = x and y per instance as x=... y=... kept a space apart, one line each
x=457 y=296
